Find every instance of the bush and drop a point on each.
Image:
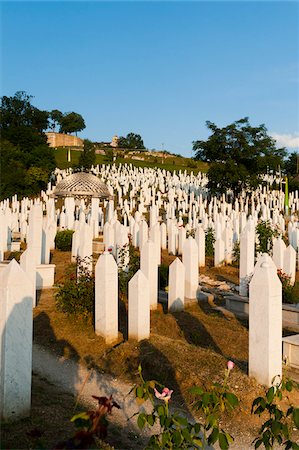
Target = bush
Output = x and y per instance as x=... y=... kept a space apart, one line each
x=289 y=292
x=63 y=240
x=209 y=241
x=163 y=276
x=236 y=252
x=124 y=276
x=265 y=234
x=76 y=296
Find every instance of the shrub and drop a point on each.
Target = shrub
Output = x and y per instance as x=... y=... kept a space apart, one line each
x=236 y=252
x=209 y=241
x=124 y=276
x=76 y=296
x=63 y=240
x=265 y=234
x=163 y=276
x=280 y=422
x=289 y=292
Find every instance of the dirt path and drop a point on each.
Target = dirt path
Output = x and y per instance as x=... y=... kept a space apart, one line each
x=74 y=378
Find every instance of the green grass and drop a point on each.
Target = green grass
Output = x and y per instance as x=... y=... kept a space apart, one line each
x=173 y=163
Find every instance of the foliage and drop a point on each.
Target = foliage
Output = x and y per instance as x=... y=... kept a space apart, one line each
x=21 y=123
x=132 y=266
x=132 y=140
x=91 y=425
x=212 y=404
x=76 y=296
x=239 y=154
x=27 y=158
x=55 y=116
x=163 y=276
x=236 y=252
x=265 y=234
x=279 y=424
x=175 y=430
x=209 y=241
x=289 y=294
x=88 y=156
x=63 y=240
x=71 y=122
x=291 y=164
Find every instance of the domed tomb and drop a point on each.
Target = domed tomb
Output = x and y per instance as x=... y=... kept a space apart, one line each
x=82 y=184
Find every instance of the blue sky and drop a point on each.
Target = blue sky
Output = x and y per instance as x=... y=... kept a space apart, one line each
x=160 y=69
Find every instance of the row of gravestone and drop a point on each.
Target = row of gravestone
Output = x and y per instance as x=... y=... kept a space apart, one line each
x=16 y=293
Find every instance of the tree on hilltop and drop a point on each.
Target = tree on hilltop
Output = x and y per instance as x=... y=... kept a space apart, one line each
x=131 y=141
x=71 y=123
x=238 y=155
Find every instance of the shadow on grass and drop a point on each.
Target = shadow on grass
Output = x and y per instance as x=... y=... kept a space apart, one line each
x=156 y=366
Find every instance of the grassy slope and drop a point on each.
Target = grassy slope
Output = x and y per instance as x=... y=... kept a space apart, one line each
x=173 y=163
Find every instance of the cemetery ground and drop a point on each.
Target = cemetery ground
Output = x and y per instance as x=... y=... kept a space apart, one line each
x=185 y=349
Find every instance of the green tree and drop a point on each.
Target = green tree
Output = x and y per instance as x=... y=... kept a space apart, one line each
x=71 y=123
x=25 y=157
x=291 y=165
x=55 y=116
x=132 y=141
x=239 y=154
x=21 y=123
x=88 y=156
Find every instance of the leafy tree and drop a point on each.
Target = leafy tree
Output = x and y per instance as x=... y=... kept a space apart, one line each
x=291 y=165
x=26 y=159
x=21 y=123
x=88 y=156
x=132 y=141
x=239 y=154
x=55 y=116
x=71 y=123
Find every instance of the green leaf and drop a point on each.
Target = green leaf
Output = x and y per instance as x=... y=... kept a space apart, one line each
x=258 y=443
x=139 y=392
x=150 y=419
x=83 y=415
x=289 y=385
x=296 y=417
x=232 y=399
x=213 y=436
x=196 y=390
x=223 y=441
x=181 y=420
x=141 y=421
x=270 y=394
x=177 y=437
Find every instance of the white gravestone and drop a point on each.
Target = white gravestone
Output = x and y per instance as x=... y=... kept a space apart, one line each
x=190 y=261
x=106 y=298
x=149 y=267
x=176 y=286
x=15 y=342
x=265 y=322
x=139 y=307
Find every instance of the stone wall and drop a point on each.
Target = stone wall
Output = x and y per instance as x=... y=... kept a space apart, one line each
x=63 y=140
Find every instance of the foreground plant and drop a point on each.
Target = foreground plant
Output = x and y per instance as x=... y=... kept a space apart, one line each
x=175 y=430
x=91 y=425
x=279 y=425
x=212 y=403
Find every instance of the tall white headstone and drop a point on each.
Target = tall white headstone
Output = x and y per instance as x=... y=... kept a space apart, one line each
x=190 y=261
x=139 y=307
x=176 y=286
x=15 y=342
x=106 y=298
x=149 y=267
x=265 y=322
